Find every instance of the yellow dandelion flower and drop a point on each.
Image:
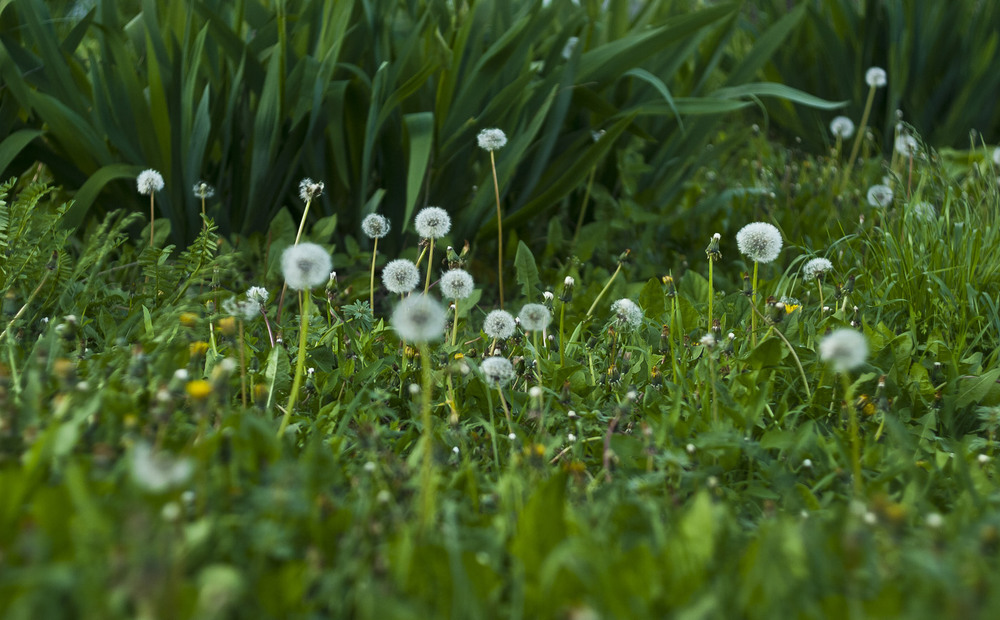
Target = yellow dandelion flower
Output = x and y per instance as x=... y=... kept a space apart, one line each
x=199 y=389
x=198 y=348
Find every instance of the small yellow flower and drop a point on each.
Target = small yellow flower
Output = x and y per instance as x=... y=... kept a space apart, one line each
x=790 y=308
x=199 y=389
x=198 y=348
x=188 y=319
x=227 y=325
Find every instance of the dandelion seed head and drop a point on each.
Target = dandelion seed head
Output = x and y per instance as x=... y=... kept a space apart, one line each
x=934 y=520
x=309 y=189
x=846 y=349
x=842 y=127
x=534 y=317
x=149 y=181
x=569 y=281
x=258 y=295
x=816 y=268
x=759 y=241
x=875 y=76
x=375 y=226
x=906 y=145
x=707 y=341
x=419 y=318
x=203 y=190
x=498 y=371
x=880 y=195
x=492 y=139
x=535 y=392
x=456 y=284
x=244 y=309
x=627 y=312
x=924 y=211
x=400 y=276
x=305 y=266
x=157 y=471
x=432 y=222
x=499 y=324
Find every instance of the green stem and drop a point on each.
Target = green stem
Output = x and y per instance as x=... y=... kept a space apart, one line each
x=454 y=326
x=753 y=304
x=711 y=293
x=302 y=224
x=859 y=138
x=562 y=347
x=299 y=365
x=852 y=416
x=430 y=261
x=371 y=282
x=819 y=285
x=791 y=349
x=604 y=290
x=152 y=220
x=427 y=457
x=496 y=191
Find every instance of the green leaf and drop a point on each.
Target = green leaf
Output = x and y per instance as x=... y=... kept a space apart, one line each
x=976 y=390
x=14 y=144
x=527 y=272
x=420 y=130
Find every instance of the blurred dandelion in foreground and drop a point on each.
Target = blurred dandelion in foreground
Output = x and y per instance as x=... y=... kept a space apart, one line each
x=906 y=145
x=419 y=318
x=158 y=471
x=305 y=266
x=845 y=349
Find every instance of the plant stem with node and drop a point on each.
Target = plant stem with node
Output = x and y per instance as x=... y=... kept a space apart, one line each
x=299 y=365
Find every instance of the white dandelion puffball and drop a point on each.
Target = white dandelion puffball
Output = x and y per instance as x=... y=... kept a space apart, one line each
x=816 y=268
x=258 y=295
x=149 y=181
x=880 y=195
x=306 y=266
x=419 y=318
x=375 y=226
x=247 y=310
x=492 y=139
x=707 y=341
x=400 y=276
x=497 y=370
x=499 y=324
x=456 y=284
x=846 y=349
x=842 y=127
x=158 y=471
x=907 y=145
x=309 y=189
x=875 y=76
x=203 y=190
x=534 y=317
x=432 y=223
x=627 y=312
x=759 y=241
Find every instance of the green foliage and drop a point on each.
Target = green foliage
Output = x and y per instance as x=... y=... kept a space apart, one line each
x=381 y=100
x=943 y=83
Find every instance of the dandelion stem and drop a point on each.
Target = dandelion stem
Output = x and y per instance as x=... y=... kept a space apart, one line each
x=430 y=262
x=299 y=365
x=711 y=292
x=152 y=220
x=858 y=139
x=852 y=416
x=243 y=367
x=562 y=334
x=454 y=326
x=496 y=191
x=604 y=290
x=427 y=456
x=25 y=306
x=302 y=223
x=795 y=356
x=819 y=285
x=371 y=282
x=753 y=304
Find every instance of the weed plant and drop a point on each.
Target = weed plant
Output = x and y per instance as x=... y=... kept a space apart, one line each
x=624 y=450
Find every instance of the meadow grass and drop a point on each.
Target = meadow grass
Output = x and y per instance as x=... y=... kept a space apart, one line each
x=159 y=456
